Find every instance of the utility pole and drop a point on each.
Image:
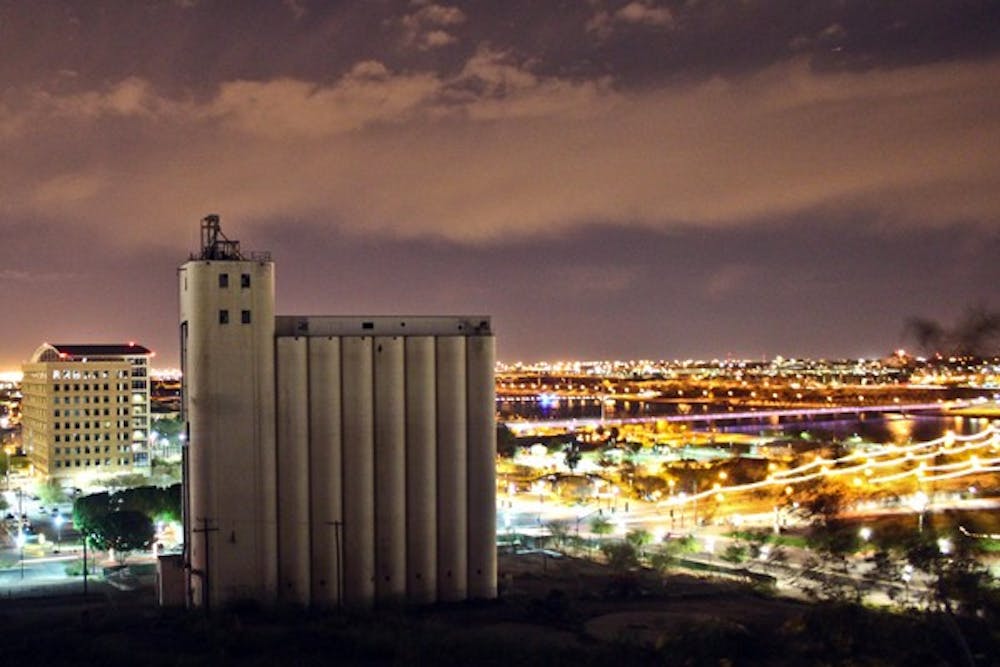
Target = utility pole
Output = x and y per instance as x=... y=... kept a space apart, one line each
x=206 y=598
x=694 y=494
x=85 y=537
x=339 y=574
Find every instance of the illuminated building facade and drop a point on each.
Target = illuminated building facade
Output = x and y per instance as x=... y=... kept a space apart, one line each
x=331 y=460
x=86 y=411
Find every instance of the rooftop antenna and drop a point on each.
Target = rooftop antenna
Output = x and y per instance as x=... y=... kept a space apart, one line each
x=214 y=244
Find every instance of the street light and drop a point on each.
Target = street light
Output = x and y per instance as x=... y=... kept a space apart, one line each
x=919 y=501
x=906 y=577
x=944 y=546
x=58 y=520
x=20 y=545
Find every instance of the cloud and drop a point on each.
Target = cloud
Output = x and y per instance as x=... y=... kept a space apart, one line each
x=290 y=109
x=33 y=277
x=12 y=123
x=425 y=28
x=494 y=85
x=296 y=7
x=499 y=151
x=69 y=189
x=601 y=23
x=727 y=280
x=644 y=13
x=433 y=39
x=130 y=97
x=636 y=13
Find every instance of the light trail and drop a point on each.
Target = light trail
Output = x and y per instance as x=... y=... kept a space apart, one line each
x=518 y=426
x=908 y=450
x=988 y=438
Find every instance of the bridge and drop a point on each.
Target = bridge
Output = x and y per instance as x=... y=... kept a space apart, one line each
x=520 y=425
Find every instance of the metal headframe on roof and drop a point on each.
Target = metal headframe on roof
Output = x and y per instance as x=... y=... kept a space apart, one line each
x=214 y=244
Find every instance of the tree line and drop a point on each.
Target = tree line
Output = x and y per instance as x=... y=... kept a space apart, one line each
x=125 y=521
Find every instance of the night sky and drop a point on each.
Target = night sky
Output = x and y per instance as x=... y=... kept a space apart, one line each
x=608 y=179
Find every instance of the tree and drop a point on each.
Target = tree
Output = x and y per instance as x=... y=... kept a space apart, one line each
x=670 y=551
x=88 y=511
x=161 y=469
x=833 y=543
x=638 y=538
x=125 y=481
x=886 y=572
x=559 y=531
x=662 y=560
x=52 y=493
x=735 y=553
x=506 y=441
x=647 y=485
x=822 y=502
x=168 y=428
x=756 y=540
x=125 y=521
x=600 y=525
x=960 y=583
x=572 y=455
x=124 y=531
x=622 y=556
x=157 y=503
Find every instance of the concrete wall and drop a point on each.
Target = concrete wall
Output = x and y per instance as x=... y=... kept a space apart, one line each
x=399 y=437
x=421 y=471
x=390 y=470
x=452 y=508
x=481 y=452
x=370 y=456
x=358 y=480
x=293 y=471
x=325 y=465
x=230 y=407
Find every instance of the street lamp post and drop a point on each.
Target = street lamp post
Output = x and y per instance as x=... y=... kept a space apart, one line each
x=85 y=565
x=58 y=520
x=919 y=503
x=20 y=546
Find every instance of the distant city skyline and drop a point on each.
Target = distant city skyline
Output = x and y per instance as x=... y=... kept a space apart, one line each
x=608 y=179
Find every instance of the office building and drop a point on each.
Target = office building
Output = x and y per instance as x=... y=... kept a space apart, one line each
x=85 y=411
x=331 y=460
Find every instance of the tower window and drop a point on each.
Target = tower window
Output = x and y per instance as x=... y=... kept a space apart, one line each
x=245 y=316
x=223 y=317
x=245 y=280
x=223 y=280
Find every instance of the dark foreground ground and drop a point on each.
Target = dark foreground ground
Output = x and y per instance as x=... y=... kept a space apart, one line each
x=552 y=612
